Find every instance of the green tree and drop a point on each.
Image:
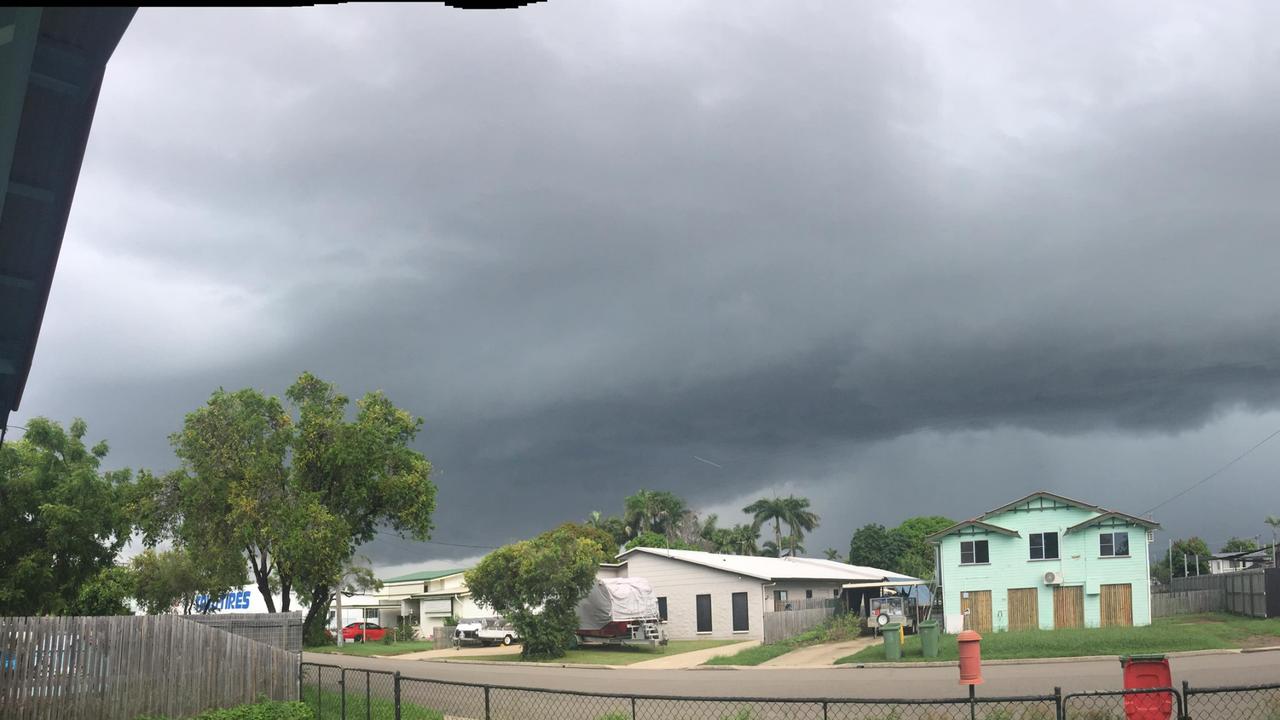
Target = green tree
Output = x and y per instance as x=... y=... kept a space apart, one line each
x=62 y=519
x=292 y=499
x=769 y=510
x=875 y=546
x=799 y=519
x=1188 y=549
x=106 y=593
x=742 y=539
x=611 y=524
x=655 y=540
x=602 y=539
x=169 y=581
x=653 y=511
x=833 y=554
x=916 y=556
x=1236 y=544
x=537 y=584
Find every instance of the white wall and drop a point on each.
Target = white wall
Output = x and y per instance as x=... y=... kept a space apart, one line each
x=681 y=582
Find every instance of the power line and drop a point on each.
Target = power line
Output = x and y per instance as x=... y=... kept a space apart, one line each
x=1217 y=472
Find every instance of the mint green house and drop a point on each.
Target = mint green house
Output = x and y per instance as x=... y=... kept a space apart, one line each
x=1045 y=561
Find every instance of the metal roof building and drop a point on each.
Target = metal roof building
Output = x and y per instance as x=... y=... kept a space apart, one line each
x=51 y=67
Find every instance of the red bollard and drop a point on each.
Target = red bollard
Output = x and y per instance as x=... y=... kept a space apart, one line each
x=970 y=644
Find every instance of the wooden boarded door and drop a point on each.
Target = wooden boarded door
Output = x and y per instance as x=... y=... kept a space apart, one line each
x=1068 y=607
x=1117 y=605
x=976 y=605
x=1024 y=609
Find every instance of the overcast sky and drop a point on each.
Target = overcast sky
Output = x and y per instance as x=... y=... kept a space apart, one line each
x=903 y=259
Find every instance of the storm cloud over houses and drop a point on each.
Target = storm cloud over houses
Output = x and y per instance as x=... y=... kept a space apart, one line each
x=905 y=260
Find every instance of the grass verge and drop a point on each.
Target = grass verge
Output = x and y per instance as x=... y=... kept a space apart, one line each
x=375 y=648
x=836 y=629
x=328 y=706
x=1165 y=635
x=624 y=655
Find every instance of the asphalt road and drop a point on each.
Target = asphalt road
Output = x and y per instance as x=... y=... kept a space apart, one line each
x=840 y=682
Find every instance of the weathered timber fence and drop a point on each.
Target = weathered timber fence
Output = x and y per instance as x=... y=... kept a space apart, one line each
x=1190 y=601
x=783 y=624
x=282 y=630
x=117 y=668
x=1249 y=592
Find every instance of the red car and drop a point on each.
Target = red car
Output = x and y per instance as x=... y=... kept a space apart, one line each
x=360 y=631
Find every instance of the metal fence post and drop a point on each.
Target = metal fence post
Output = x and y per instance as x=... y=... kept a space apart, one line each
x=396 y=679
x=342 y=694
x=299 y=677
x=1186 y=706
x=1059 y=711
x=824 y=710
x=633 y=707
x=486 y=702
x=319 y=691
x=368 y=703
x=973 y=702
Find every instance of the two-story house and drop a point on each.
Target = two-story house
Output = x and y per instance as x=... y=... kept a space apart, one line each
x=1045 y=561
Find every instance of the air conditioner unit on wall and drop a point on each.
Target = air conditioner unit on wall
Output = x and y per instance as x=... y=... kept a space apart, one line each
x=1052 y=578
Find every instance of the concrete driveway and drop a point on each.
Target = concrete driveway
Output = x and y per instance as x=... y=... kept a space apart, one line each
x=824 y=655
x=680 y=661
x=457 y=653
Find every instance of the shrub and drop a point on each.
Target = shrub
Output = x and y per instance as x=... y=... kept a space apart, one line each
x=256 y=711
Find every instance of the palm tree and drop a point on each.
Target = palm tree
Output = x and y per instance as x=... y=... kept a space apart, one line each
x=799 y=518
x=741 y=540
x=653 y=510
x=769 y=510
x=770 y=549
x=832 y=554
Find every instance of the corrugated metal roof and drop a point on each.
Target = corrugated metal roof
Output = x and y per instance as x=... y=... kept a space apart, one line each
x=422 y=575
x=771 y=568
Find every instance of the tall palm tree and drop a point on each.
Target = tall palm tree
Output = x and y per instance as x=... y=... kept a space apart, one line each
x=832 y=554
x=770 y=549
x=799 y=518
x=741 y=540
x=654 y=510
x=767 y=510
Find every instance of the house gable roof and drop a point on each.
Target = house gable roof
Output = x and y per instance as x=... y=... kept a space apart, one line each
x=770 y=568
x=1040 y=495
x=422 y=575
x=1113 y=515
x=975 y=523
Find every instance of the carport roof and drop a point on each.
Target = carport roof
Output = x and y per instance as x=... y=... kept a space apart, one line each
x=52 y=61
x=771 y=569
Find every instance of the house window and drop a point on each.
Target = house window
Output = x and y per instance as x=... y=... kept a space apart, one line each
x=704 y=613
x=1044 y=546
x=835 y=592
x=662 y=609
x=1113 y=544
x=740 y=621
x=974 y=552
x=780 y=600
x=808 y=594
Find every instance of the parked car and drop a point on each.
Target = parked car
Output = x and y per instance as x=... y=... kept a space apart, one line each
x=485 y=631
x=361 y=631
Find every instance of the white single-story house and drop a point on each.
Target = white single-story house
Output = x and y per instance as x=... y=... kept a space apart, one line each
x=709 y=595
x=428 y=597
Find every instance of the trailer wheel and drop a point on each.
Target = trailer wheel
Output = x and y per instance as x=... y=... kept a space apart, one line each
x=506 y=639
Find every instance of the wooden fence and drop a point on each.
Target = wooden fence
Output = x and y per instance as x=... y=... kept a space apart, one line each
x=282 y=630
x=1244 y=592
x=1191 y=601
x=783 y=624
x=117 y=668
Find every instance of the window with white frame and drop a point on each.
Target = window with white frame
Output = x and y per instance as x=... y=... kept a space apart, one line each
x=1044 y=546
x=974 y=552
x=1113 y=544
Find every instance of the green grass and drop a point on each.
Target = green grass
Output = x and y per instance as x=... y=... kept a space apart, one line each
x=1181 y=633
x=837 y=629
x=363 y=649
x=624 y=655
x=330 y=707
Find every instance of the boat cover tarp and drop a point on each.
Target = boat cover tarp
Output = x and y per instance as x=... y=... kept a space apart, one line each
x=617 y=600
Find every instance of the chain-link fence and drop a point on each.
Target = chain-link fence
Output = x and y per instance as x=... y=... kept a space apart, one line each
x=337 y=693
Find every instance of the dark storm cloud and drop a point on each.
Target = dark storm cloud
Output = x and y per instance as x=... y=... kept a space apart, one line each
x=590 y=241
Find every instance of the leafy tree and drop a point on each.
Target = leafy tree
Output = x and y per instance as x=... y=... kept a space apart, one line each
x=741 y=540
x=799 y=519
x=169 y=581
x=832 y=554
x=1236 y=544
x=611 y=524
x=654 y=540
x=62 y=520
x=916 y=556
x=602 y=539
x=1274 y=522
x=105 y=593
x=770 y=549
x=653 y=510
x=766 y=510
x=875 y=546
x=1187 y=548
x=292 y=499
x=537 y=584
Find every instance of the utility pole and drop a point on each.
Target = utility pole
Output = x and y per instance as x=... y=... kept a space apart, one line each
x=1184 y=565
x=338 y=617
x=1197 y=564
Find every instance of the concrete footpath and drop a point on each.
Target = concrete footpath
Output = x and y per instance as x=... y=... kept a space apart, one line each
x=824 y=655
x=681 y=661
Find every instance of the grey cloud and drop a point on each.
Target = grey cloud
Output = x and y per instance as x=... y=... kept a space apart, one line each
x=587 y=241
